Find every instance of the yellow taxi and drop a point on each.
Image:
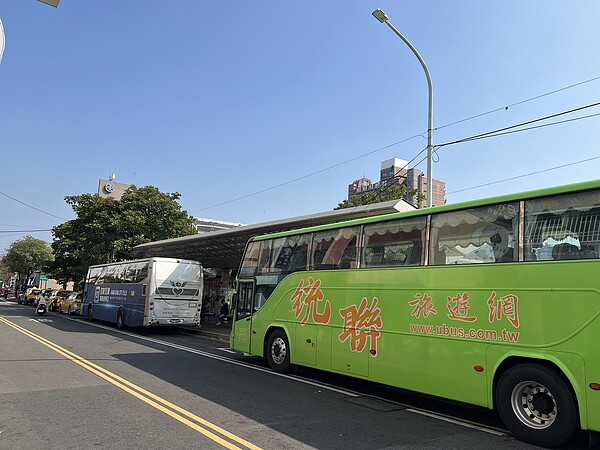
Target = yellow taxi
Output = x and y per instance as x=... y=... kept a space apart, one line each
x=56 y=299
x=32 y=296
x=71 y=304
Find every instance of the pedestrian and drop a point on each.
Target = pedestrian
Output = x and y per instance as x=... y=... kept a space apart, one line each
x=222 y=317
x=204 y=308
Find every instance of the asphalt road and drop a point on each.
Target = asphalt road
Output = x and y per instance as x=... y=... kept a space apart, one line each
x=67 y=383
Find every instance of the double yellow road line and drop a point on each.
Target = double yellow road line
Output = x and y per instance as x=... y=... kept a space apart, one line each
x=208 y=429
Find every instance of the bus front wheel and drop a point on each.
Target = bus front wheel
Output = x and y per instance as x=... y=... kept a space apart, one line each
x=536 y=404
x=278 y=352
x=120 y=319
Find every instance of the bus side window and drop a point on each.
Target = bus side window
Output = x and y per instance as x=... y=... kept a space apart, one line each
x=414 y=255
x=475 y=236
x=348 y=259
x=394 y=243
x=264 y=260
x=244 y=302
x=299 y=258
x=128 y=274
x=562 y=227
x=141 y=272
x=250 y=261
x=289 y=254
x=335 y=249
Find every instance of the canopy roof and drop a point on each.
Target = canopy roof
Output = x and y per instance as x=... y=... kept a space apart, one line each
x=224 y=249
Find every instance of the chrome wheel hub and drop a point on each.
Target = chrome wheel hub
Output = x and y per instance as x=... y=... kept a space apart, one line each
x=278 y=351
x=534 y=404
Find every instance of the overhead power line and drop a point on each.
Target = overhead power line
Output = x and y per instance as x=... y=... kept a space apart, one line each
x=503 y=108
x=507 y=107
x=32 y=207
x=387 y=184
x=503 y=131
x=537 y=172
x=307 y=175
x=488 y=134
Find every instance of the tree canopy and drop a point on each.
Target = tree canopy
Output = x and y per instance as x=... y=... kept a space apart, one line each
x=5 y=272
x=382 y=194
x=26 y=256
x=106 y=229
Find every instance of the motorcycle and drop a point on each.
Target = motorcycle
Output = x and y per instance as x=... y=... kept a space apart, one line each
x=41 y=309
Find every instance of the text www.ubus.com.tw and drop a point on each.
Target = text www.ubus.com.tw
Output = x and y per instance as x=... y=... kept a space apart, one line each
x=479 y=334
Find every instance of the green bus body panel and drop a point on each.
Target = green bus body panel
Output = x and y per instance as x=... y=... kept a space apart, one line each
x=427 y=328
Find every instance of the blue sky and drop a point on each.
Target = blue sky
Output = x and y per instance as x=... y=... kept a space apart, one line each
x=220 y=100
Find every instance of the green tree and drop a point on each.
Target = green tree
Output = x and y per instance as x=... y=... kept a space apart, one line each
x=382 y=194
x=106 y=229
x=5 y=272
x=27 y=256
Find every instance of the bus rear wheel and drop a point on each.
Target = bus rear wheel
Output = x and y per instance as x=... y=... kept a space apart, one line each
x=120 y=319
x=537 y=405
x=278 y=352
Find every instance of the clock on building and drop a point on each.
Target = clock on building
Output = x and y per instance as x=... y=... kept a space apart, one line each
x=109 y=188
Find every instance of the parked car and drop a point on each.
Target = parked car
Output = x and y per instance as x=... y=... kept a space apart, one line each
x=71 y=304
x=57 y=298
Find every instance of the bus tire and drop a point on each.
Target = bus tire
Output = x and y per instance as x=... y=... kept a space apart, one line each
x=278 y=351
x=537 y=405
x=120 y=319
x=90 y=311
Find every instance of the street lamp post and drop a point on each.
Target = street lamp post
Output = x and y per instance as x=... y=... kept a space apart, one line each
x=383 y=18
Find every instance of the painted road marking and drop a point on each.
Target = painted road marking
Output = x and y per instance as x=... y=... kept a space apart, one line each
x=226 y=350
x=457 y=422
x=296 y=378
x=218 y=357
x=151 y=399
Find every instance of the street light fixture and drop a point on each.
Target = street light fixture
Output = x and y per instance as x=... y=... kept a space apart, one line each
x=2 y=37
x=1 y=40
x=51 y=2
x=383 y=18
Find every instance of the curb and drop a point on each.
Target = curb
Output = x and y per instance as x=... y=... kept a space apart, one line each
x=204 y=333
x=216 y=336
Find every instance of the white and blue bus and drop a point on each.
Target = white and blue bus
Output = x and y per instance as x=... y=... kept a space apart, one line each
x=152 y=291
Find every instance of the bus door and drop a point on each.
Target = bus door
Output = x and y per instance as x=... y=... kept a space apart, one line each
x=242 y=320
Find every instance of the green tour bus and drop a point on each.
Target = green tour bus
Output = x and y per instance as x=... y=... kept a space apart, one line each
x=493 y=302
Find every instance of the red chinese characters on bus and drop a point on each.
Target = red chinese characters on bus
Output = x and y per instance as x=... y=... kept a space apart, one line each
x=422 y=306
x=307 y=298
x=458 y=308
x=504 y=306
x=360 y=324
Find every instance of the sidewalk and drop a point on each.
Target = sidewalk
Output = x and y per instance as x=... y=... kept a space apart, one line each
x=210 y=329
